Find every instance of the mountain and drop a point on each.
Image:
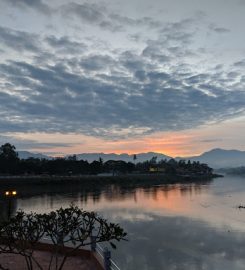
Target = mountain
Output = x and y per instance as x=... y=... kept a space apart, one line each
x=220 y=158
x=215 y=158
x=125 y=157
x=95 y=156
x=26 y=155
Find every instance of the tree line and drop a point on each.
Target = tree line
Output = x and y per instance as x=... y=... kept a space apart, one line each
x=11 y=164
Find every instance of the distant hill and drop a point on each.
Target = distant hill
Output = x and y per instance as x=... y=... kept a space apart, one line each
x=125 y=157
x=26 y=155
x=95 y=156
x=234 y=171
x=220 y=158
x=215 y=158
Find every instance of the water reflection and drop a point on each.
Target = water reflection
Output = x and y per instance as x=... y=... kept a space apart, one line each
x=180 y=243
x=175 y=226
x=168 y=197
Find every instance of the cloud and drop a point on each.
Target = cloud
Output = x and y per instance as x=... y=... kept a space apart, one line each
x=221 y=30
x=99 y=15
x=18 y=40
x=65 y=45
x=33 y=4
x=240 y=63
x=67 y=86
x=210 y=140
x=51 y=98
x=96 y=62
x=127 y=21
x=90 y=13
x=181 y=31
x=30 y=144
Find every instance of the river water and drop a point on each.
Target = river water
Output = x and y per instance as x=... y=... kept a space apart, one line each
x=179 y=226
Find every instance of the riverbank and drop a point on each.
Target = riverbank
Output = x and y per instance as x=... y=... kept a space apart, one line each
x=99 y=179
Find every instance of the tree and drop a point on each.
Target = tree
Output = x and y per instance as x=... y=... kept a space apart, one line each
x=95 y=167
x=22 y=233
x=7 y=152
x=8 y=159
x=101 y=161
x=72 y=158
x=153 y=160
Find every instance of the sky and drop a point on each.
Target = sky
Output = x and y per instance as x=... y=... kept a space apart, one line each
x=122 y=76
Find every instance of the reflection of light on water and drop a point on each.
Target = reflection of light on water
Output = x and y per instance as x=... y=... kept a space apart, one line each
x=160 y=197
x=191 y=226
x=195 y=201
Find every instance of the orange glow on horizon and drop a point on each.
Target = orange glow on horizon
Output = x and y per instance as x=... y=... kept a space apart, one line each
x=171 y=144
x=175 y=143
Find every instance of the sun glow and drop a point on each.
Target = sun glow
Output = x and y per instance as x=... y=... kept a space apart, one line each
x=179 y=143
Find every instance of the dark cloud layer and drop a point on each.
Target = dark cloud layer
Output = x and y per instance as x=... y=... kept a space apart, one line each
x=65 y=45
x=52 y=98
x=38 y=5
x=99 y=15
x=18 y=40
x=65 y=86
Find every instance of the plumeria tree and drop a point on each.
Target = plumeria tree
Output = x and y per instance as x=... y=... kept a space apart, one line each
x=22 y=233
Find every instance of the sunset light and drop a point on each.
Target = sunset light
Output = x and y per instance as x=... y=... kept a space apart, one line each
x=122 y=134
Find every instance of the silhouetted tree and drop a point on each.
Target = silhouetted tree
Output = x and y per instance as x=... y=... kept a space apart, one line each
x=10 y=164
x=153 y=160
x=95 y=167
x=7 y=151
x=8 y=159
x=22 y=233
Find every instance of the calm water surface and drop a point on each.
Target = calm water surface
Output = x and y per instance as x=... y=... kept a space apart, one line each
x=179 y=226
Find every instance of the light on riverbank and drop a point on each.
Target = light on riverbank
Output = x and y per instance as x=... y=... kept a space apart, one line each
x=10 y=193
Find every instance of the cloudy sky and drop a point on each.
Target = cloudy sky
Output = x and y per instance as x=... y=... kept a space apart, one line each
x=122 y=76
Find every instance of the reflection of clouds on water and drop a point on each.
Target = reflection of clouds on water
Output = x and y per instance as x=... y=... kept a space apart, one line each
x=87 y=196
x=177 y=226
x=127 y=215
x=194 y=200
x=179 y=243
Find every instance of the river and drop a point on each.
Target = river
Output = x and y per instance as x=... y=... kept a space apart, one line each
x=190 y=226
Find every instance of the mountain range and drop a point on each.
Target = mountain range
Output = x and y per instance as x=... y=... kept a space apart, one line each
x=26 y=155
x=220 y=158
x=215 y=158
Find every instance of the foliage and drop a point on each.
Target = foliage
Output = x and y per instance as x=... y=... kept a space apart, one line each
x=7 y=151
x=72 y=166
x=22 y=233
x=8 y=158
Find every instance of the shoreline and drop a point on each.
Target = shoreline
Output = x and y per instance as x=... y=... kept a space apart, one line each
x=128 y=178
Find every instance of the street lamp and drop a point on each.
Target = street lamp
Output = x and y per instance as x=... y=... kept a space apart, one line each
x=10 y=194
